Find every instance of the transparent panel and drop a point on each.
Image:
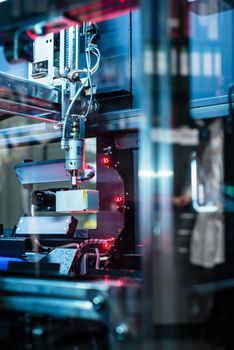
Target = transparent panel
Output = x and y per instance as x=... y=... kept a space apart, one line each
x=132 y=245
x=186 y=176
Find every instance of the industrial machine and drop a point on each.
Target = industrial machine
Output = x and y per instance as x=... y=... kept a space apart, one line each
x=116 y=187
x=75 y=234
x=63 y=71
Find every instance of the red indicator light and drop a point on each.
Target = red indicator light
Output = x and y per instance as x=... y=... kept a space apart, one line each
x=106 y=246
x=106 y=160
x=119 y=201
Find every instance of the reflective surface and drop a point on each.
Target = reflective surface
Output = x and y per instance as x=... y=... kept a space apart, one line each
x=166 y=193
x=187 y=248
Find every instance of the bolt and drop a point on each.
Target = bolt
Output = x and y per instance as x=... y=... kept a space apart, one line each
x=121 y=331
x=98 y=301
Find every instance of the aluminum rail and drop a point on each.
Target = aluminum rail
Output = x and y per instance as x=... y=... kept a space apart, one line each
x=22 y=97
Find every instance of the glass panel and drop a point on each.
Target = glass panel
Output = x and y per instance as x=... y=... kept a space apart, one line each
x=185 y=164
x=212 y=52
x=150 y=258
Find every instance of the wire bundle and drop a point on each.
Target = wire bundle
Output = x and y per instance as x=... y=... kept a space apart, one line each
x=89 y=71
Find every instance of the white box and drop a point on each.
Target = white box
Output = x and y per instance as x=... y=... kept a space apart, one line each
x=77 y=201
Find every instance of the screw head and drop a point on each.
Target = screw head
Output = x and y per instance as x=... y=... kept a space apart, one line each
x=121 y=331
x=98 y=301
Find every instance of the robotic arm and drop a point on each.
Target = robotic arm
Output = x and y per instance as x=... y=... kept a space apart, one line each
x=73 y=135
